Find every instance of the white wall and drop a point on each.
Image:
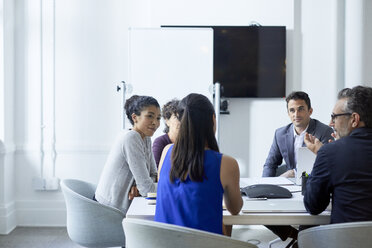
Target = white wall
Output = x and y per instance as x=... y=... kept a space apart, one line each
x=319 y=57
x=89 y=38
x=91 y=58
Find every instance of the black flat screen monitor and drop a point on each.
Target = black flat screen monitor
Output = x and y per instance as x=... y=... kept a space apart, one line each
x=249 y=61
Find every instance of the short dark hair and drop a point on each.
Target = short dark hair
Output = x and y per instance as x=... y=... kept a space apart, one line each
x=136 y=104
x=359 y=100
x=299 y=95
x=169 y=109
x=195 y=113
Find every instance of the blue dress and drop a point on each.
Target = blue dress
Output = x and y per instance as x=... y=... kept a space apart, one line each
x=192 y=204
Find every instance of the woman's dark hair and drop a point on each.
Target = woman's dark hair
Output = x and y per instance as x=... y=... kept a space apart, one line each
x=195 y=113
x=168 y=110
x=136 y=104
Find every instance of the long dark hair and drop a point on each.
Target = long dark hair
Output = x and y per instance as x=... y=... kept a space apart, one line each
x=136 y=104
x=195 y=113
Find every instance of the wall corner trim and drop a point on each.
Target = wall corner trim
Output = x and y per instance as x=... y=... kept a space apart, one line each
x=8 y=218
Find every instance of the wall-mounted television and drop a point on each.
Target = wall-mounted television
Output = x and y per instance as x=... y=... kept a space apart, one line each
x=249 y=61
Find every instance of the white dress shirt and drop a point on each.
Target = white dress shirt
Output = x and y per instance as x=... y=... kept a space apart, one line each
x=298 y=142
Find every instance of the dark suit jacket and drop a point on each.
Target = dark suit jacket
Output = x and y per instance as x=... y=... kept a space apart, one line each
x=283 y=146
x=343 y=170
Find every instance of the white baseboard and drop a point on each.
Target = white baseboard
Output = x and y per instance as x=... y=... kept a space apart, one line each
x=41 y=213
x=8 y=218
x=31 y=213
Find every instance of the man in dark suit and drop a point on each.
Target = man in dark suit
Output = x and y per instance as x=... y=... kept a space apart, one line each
x=343 y=168
x=289 y=138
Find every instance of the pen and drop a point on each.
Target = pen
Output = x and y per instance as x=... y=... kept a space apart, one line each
x=304 y=174
x=257 y=199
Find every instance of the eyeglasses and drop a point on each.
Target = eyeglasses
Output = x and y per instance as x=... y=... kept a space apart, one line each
x=333 y=116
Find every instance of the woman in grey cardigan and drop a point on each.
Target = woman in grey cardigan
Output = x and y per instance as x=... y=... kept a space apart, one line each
x=130 y=167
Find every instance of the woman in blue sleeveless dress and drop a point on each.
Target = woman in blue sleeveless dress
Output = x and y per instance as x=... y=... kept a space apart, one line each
x=194 y=177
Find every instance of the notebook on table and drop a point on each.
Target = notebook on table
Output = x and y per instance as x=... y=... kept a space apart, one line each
x=244 y=182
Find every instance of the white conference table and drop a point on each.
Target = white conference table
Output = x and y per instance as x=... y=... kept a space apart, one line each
x=141 y=209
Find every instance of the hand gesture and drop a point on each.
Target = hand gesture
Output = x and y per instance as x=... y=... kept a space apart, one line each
x=334 y=135
x=313 y=143
x=288 y=173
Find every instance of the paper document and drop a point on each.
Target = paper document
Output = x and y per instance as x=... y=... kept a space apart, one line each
x=292 y=188
x=265 y=180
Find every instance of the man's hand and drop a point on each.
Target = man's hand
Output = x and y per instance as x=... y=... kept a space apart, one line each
x=313 y=143
x=288 y=173
x=334 y=135
x=133 y=192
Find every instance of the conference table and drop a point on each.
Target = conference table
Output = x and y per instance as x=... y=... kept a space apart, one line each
x=141 y=209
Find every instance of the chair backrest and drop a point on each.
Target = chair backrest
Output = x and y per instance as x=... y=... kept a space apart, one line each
x=345 y=235
x=90 y=223
x=82 y=188
x=145 y=233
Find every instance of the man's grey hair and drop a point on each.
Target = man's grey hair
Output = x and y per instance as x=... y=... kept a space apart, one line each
x=359 y=100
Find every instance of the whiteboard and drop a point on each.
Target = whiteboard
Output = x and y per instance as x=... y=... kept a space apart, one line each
x=169 y=63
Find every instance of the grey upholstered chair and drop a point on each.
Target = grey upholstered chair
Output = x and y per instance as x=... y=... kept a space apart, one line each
x=144 y=233
x=90 y=223
x=345 y=235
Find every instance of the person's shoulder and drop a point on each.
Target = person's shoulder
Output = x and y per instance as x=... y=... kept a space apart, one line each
x=161 y=139
x=334 y=147
x=229 y=166
x=127 y=133
x=320 y=130
x=320 y=125
x=228 y=160
x=283 y=130
x=129 y=136
x=166 y=148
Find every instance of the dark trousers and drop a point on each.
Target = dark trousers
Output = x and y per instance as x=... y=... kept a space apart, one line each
x=284 y=232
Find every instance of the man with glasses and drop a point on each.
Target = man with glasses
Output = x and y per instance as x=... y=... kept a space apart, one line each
x=289 y=138
x=343 y=168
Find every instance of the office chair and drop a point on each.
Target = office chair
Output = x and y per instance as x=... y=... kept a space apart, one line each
x=90 y=223
x=344 y=235
x=145 y=233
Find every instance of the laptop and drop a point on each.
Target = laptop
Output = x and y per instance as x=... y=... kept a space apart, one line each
x=273 y=206
x=305 y=162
